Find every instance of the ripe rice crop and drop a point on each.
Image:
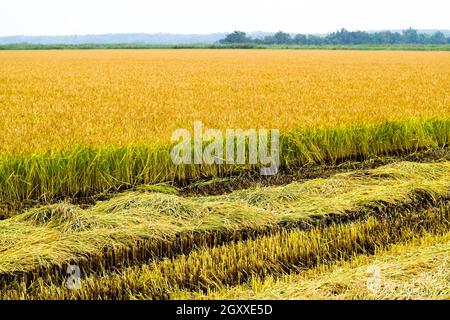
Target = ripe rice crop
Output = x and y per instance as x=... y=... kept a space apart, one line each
x=57 y=99
x=76 y=123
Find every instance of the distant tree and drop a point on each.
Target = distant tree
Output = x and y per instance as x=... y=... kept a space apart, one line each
x=268 y=40
x=342 y=37
x=387 y=37
x=282 y=38
x=360 y=37
x=438 y=38
x=300 y=39
x=349 y=37
x=315 y=40
x=236 y=37
x=410 y=36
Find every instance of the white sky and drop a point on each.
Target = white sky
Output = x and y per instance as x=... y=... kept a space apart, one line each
x=61 y=17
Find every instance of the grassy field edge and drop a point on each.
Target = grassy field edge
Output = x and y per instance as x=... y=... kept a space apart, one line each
x=125 y=46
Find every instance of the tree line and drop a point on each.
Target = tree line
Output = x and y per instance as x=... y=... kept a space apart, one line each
x=341 y=37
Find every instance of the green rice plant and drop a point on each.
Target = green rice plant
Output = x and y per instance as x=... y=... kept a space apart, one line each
x=30 y=179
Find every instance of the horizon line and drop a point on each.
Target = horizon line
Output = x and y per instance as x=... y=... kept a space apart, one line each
x=215 y=33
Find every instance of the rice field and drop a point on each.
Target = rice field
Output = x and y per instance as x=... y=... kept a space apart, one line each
x=87 y=180
x=58 y=99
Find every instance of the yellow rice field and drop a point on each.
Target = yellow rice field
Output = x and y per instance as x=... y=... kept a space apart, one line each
x=57 y=99
x=87 y=179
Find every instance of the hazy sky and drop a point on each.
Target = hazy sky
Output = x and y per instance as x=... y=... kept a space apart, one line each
x=60 y=17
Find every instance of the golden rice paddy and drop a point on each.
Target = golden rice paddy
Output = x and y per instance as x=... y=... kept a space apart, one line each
x=57 y=99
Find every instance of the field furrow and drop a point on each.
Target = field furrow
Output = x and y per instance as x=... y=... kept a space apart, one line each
x=235 y=263
x=418 y=269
